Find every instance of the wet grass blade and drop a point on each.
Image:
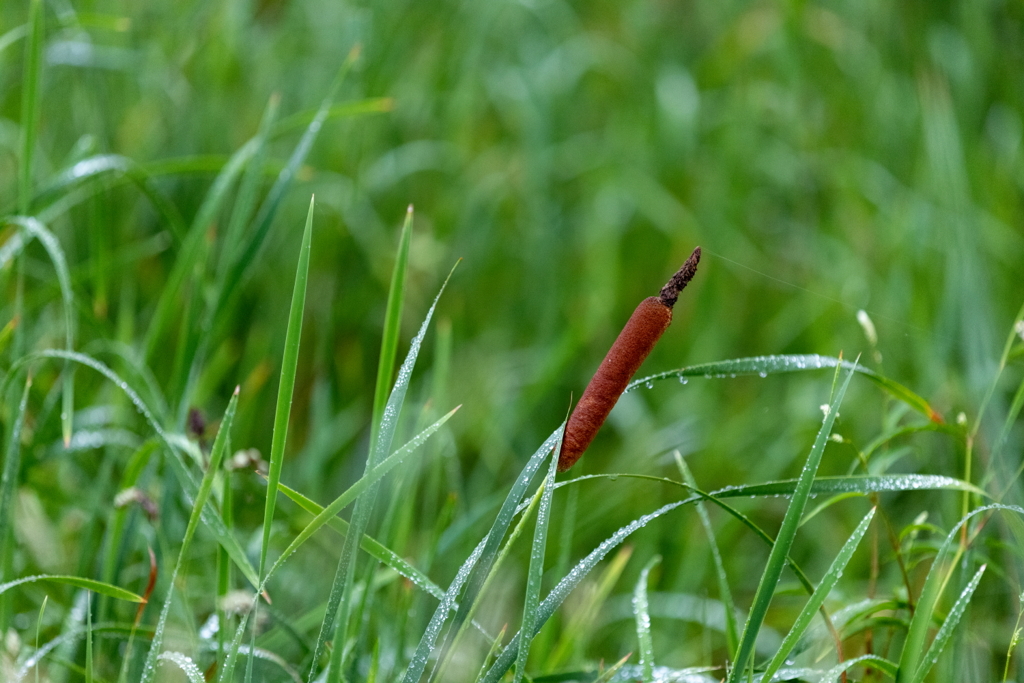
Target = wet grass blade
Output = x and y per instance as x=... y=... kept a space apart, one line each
x=536 y=571
x=78 y=582
x=392 y=325
x=642 y=614
x=732 y=635
x=946 y=630
x=784 y=540
x=339 y=601
x=561 y=591
x=817 y=599
x=286 y=388
x=205 y=489
x=911 y=658
x=774 y=365
x=9 y=479
x=34 y=228
x=852 y=484
x=487 y=547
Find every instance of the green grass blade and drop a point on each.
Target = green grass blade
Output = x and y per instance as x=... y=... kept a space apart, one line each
x=927 y=601
x=205 y=489
x=946 y=630
x=185 y=663
x=88 y=638
x=371 y=105
x=853 y=484
x=642 y=614
x=286 y=388
x=732 y=635
x=392 y=325
x=338 y=604
x=773 y=365
x=36 y=229
x=31 y=76
x=331 y=511
x=9 y=480
x=612 y=670
x=783 y=542
x=536 y=571
x=78 y=582
x=874 y=661
x=561 y=591
x=817 y=599
x=487 y=547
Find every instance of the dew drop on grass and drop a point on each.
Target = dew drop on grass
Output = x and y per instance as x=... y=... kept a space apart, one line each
x=649 y=384
x=683 y=380
x=762 y=374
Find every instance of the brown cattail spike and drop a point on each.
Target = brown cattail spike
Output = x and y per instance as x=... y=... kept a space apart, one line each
x=648 y=322
x=670 y=292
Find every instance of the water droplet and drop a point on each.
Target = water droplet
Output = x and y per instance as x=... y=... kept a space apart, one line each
x=683 y=380
x=649 y=384
x=762 y=374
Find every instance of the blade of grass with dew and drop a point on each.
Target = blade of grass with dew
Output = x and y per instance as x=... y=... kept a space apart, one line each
x=852 y=484
x=486 y=546
x=784 y=540
x=205 y=489
x=285 y=392
x=91 y=171
x=564 y=587
x=185 y=663
x=536 y=571
x=946 y=630
x=440 y=665
x=773 y=365
x=479 y=573
x=642 y=614
x=9 y=479
x=339 y=602
x=392 y=325
x=36 y=229
x=78 y=582
x=876 y=662
x=732 y=636
x=934 y=585
x=189 y=486
x=583 y=621
x=286 y=388
x=817 y=599
x=331 y=511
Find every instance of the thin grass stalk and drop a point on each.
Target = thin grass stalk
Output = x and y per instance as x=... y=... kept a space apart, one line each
x=780 y=549
x=732 y=637
x=203 y=495
x=642 y=614
x=536 y=570
x=339 y=603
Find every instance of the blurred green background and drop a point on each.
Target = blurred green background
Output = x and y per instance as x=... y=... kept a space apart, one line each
x=828 y=156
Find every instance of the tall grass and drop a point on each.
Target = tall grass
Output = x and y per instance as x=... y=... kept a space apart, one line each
x=184 y=338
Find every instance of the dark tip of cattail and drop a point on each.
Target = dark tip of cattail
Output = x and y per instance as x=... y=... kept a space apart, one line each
x=670 y=292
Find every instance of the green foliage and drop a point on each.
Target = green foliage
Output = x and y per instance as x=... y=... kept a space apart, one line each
x=852 y=171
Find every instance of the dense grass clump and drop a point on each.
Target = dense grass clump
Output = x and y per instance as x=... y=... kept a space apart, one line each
x=296 y=296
